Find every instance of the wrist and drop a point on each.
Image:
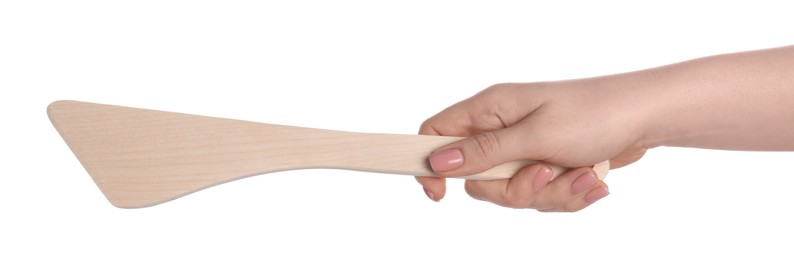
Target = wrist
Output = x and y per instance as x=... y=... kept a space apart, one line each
x=678 y=99
x=649 y=101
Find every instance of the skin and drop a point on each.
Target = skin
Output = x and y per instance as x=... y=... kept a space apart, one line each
x=739 y=101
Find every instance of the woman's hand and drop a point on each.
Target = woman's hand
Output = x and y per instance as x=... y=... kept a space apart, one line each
x=739 y=101
x=571 y=124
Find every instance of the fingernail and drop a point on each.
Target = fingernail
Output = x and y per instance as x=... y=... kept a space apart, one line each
x=542 y=178
x=445 y=160
x=584 y=182
x=430 y=195
x=596 y=195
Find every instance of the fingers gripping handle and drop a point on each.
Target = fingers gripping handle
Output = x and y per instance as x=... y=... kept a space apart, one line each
x=403 y=154
x=424 y=144
x=507 y=170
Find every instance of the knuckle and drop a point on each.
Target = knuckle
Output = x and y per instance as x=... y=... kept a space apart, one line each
x=471 y=188
x=479 y=192
x=497 y=90
x=486 y=144
x=559 y=200
x=517 y=200
x=427 y=127
x=575 y=208
x=517 y=203
x=499 y=87
x=424 y=181
x=552 y=202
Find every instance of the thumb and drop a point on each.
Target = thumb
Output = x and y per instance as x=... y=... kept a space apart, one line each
x=478 y=153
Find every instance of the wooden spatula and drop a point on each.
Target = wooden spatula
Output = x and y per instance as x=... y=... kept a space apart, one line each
x=140 y=157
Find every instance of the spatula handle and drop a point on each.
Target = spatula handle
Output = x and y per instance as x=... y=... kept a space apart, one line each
x=396 y=154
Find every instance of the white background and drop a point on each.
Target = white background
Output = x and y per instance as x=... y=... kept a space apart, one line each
x=368 y=67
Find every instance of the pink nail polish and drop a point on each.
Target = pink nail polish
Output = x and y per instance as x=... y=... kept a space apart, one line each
x=445 y=160
x=542 y=178
x=596 y=195
x=584 y=182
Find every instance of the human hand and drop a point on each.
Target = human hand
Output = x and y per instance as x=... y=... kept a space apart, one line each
x=715 y=102
x=569 y=123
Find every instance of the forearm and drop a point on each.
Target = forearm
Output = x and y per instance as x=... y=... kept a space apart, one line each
x=741 y=101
